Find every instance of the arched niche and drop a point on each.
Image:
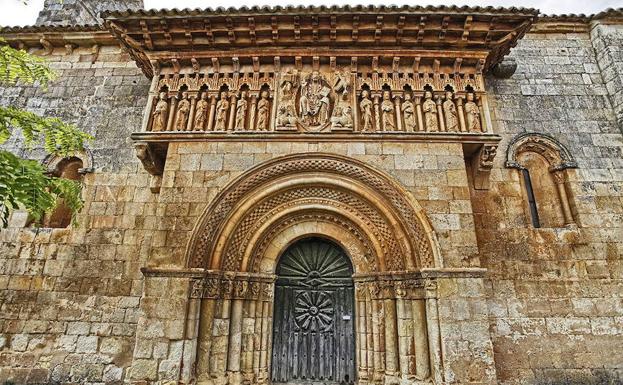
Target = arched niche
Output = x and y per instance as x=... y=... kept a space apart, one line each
x=543 y=163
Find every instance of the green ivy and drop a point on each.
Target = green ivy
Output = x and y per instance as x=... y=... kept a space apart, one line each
x=26 y=183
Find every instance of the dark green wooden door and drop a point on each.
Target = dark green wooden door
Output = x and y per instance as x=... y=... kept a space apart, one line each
x=313 y=332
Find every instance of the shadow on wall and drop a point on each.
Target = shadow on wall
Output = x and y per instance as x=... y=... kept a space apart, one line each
x=567 y=377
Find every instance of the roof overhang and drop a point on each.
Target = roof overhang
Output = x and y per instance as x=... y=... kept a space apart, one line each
x=477 y=36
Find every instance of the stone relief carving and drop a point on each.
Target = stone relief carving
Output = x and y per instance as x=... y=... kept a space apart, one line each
x=319 y=101
x=408 y=113
x=159 y=116
x=388 y=112
x=241 y=111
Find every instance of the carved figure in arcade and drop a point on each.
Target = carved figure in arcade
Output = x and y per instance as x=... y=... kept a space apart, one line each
x=263 y=111
x=221 y=112
x=342 y=117
x=159 y=116
x=430 y=112
x=201 y=112
x=241 y=110
x=388 y=114
x=451 y=116
x=366 y=111
x=183 y=109
x=408 y=111
x=286 y=116
x=314 y=101
x=472 y=112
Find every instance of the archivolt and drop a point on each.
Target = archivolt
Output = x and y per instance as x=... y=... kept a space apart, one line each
x=332 y=186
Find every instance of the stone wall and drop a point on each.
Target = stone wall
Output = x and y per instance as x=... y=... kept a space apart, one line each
x=555 y=302
x=69 y=297
x=81 y=12
x=607 y=39
x=71 y=302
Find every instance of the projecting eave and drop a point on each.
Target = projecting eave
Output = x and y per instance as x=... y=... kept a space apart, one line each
x=479 y=36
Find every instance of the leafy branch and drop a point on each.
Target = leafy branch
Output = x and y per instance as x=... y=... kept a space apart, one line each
x=26 y=183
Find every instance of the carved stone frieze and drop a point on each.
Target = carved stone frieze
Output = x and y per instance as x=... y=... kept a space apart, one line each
x=319 y=100
x=229 y=285
x=482 y=164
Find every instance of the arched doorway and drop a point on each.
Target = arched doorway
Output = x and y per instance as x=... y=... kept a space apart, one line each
x=313 y=328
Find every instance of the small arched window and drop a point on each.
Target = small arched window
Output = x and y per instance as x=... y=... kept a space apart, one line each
x=542 y=162
x=67 y=168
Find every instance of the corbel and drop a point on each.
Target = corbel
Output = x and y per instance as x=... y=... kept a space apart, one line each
x=231 y=35
x=146 y=35
x=375 y=63
x=315 y=25
x=333 y=31
x=297 y=27
x=274 y=28
x=47 y=46
x=395 y=64
x=256 y=64
x=379 y=28
x=355 y=34
x=421 y=29
x=153 y=160
x=457 y=65
x=482 y=163
x=165 y=30
x=332 y=63
x=207 y=25
x=480 y=66
x=436 y=65
x=252 y=34
x=353 y=64
x=467 y=27
x=95 y=52
x=216 y=65
x=187 y=33
x=444 y=27
x=298 y=62
x=416 y=64
x=196 y=65
x=20 y=45
x=69 y=48
x=316 y=63
x=176 y=66
x=400 y=29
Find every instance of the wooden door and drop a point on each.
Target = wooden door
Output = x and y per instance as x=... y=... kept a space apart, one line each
x=313 y=330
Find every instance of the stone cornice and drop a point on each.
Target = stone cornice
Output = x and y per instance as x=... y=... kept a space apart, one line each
x=480 y=37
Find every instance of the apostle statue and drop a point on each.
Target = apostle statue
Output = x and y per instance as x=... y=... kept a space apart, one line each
x=221 y=112
x=263 y=111
x=201 y=112
x=183 y=109
x=387 y=108
x=241 y=110
x=472 y=113
x=408 y=112
x=430 y=112
x=159 y=116
x=450 y=113
x=366 y=110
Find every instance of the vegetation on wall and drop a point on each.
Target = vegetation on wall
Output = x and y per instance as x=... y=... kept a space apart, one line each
x=25 y=183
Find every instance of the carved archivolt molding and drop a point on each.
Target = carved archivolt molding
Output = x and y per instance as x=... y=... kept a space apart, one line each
x=556 y=154
x=365 y=195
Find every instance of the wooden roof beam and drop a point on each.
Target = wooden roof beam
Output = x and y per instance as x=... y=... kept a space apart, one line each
x=146 y=35
x=400 y=28
x=379 y=28
x=355 y=33
x=467 y=26
x=444 y=27
x=231 y=34
x=421 y=29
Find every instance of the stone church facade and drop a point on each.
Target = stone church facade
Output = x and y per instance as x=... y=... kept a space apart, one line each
x=343 y=195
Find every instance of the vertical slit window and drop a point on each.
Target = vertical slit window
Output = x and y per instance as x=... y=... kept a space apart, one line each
x=534 y=213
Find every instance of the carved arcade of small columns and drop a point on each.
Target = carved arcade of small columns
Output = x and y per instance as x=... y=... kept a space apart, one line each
x=320 y=99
